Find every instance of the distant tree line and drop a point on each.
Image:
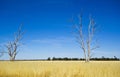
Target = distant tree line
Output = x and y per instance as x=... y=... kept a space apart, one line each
x=69 y=59
x=82 y=59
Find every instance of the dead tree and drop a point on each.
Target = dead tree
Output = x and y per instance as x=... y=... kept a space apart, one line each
x=12 y=46
x=86 y=40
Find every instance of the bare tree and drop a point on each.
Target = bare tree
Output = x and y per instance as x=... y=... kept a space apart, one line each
x=12 y=46
x=86 y=40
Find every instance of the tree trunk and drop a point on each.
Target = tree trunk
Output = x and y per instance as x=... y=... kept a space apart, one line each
x=12 y=58
x=85 y=57
x=88 y=59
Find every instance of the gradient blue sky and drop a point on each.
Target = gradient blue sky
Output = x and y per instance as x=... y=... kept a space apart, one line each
x=48 y=30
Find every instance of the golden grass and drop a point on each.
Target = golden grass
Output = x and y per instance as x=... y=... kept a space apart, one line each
x=59 y=69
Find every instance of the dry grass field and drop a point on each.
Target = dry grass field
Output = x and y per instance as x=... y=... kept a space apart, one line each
x=59 y=69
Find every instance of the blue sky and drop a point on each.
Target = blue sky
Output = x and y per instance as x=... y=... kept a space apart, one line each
x=48 y=30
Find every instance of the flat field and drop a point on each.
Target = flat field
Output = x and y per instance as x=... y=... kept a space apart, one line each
x=59 y=69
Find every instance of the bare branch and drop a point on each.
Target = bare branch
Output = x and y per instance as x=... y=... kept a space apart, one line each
x=94 y=48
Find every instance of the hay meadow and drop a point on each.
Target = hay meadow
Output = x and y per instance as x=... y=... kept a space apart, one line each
x=59 y=69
